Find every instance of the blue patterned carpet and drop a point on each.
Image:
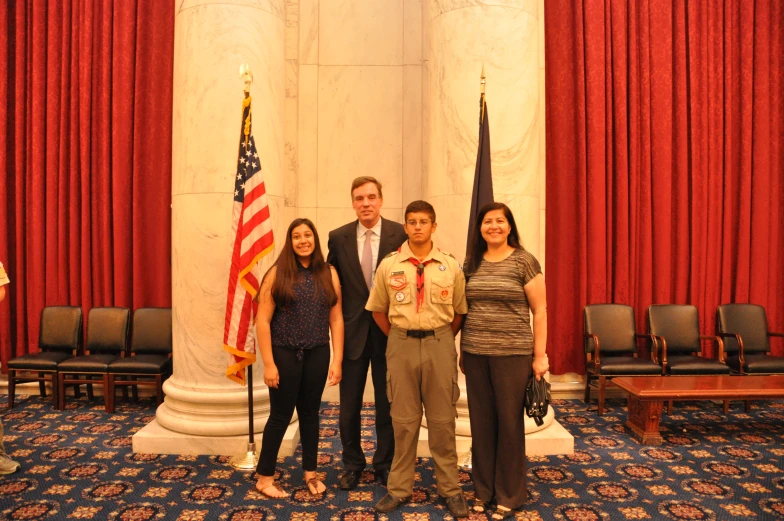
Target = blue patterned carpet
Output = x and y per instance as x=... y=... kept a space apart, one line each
x=78 y=464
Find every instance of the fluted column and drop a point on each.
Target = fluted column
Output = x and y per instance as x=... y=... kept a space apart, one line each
x=212 y=39
x=462 y=36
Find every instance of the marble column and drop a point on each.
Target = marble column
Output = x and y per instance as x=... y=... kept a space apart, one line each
x=212 y=39
x=462 y=36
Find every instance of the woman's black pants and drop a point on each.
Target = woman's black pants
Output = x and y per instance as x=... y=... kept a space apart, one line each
x=301 y=385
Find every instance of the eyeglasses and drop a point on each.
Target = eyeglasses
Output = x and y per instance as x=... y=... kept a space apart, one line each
x=422 y=222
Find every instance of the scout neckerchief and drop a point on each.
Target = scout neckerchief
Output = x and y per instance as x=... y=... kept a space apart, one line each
x=420 y=266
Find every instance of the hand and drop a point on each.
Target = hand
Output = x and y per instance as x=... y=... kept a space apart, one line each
x=540 y=366
x=271 y=376
x=335 y=374
x=460 y=363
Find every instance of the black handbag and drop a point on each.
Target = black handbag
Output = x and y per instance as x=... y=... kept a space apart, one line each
x=537 y=399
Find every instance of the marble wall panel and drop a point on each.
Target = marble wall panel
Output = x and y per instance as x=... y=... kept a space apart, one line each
x=507 y=46
x=438 y=7
x=360 y=126
x=412 y=32
x=411 y=180
x=308 y=31
x=360 y=32
x=292 y=30
x=274 y=7
x=307 y=136
x=452 y=218
x=207 y=109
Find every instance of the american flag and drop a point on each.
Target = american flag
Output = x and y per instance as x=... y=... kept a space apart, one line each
x=252 y=228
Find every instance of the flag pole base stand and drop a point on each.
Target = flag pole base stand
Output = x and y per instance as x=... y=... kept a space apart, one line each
x=464 y=461
x=247 y=461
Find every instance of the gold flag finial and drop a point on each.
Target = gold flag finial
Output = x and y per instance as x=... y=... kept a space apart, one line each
x=482 y=81
x=246 y=75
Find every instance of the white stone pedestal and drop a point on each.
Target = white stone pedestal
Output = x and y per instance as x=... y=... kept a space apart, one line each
x=154 y=438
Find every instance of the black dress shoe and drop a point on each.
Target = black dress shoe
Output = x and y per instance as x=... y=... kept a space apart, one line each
x=389 y=503
x=457 y=505
x=382 y=475
x=349 y=479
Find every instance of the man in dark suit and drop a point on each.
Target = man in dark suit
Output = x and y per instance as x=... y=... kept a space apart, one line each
x=355 y=250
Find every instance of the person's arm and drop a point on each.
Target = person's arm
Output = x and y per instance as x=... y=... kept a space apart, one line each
x=536 y=294
x=2 y=292
x=382 y=320
x=457 y=323
x=338 y=334
x=459 y=301
x=263 y=332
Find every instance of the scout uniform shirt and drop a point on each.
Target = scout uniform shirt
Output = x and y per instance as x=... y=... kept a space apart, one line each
x=434 y=305
x=3 y=276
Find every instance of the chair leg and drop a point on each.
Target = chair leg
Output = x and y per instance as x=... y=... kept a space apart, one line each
x=55 y=394
x=747 y=406
x=11 y=387
x=602 y=385
x=90 y=394
x=124 y=391
x=109 y=392
x=159 y=388
x=669 y=407
x=60 y=378
x=107 y=397
x=134 y=390
x=42 y=385
x=587 y=397
x=726 y=407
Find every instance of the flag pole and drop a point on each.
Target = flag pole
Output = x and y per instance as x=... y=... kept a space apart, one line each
x=464 y=461
x=250 y=459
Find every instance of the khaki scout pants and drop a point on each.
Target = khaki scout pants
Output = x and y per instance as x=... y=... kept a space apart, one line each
x=423 y=371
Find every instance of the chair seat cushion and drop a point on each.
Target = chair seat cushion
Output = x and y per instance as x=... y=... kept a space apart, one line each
x=687 y=364
x=758 y=364
x=43 y=361
x=141 y=364
x=97 y=363
x=628 y=365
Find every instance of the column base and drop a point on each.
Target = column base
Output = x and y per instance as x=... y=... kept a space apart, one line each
x=551 y=441
x=156 y=439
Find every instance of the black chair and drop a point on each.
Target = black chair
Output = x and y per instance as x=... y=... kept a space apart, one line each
x=150 y=361
x=610 y=344
x=677 y=329
x=107 y=340
x=744 y=328
x=59 y=339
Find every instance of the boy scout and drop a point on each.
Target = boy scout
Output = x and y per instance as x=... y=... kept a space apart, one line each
x=418 y=300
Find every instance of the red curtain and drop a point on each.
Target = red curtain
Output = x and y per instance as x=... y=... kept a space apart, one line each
x=665 y=180
x=85 y=173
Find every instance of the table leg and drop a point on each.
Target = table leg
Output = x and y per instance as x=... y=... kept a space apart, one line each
x=643 y=420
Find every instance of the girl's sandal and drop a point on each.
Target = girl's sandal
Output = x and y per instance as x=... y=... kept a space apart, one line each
x=501 y=512
x=272 y=491
x=313 y=486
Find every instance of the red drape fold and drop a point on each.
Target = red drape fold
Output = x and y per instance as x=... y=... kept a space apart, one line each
x=85 y=173
x=665 y=181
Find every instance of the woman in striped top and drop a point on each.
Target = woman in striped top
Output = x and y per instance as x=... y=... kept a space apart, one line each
x=499 y=350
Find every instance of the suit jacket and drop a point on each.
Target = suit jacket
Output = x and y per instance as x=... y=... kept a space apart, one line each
x=343 y=255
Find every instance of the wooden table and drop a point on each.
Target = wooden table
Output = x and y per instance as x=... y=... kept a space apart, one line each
x=647 y=395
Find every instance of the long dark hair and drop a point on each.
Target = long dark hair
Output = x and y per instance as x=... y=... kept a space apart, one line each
x=287 y=270
x=478 y=245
